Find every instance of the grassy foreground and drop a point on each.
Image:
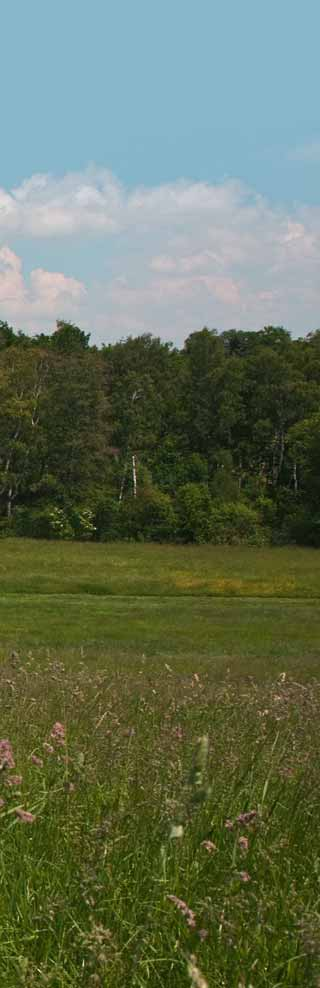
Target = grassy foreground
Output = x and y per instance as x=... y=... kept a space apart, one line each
x=133 y=854
x=159 y=767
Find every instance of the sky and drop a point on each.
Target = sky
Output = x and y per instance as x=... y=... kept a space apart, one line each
x=159 y=166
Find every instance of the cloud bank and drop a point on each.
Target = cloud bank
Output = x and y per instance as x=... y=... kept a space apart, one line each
x=166 y=259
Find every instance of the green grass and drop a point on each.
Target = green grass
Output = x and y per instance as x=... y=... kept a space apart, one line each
x=138 y=651
x=248 y=636
x=121 y=813
x=30 y=566
x=253 y=610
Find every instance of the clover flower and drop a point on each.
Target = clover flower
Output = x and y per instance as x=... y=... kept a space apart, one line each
x=24 y=815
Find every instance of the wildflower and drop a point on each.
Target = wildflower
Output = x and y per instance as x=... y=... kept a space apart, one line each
x=243 y=843
x=24 y=815
x=203 y=934
x=209 y=846
x=13 y=780
x=228 y=825
x=184 y=909
x=244 y=876
x=245 y=818
x=58 y=733
x=2 y=803
x=37 y=761
x=6 y=756
x=49 y=749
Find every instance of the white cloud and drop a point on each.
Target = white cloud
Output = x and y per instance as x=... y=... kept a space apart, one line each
x=40 y=296
x=176 y=256
x=12 y=287
x=53 y=285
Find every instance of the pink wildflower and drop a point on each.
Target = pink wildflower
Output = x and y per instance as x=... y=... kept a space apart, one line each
x=24 y=815
x=209 y=846
x=243 y=843
x=203 y=934
x=58 y=733
x=245 y=818
x=13 y=780
x=37 y=761
x=244 y=876
x=49 y=749
x=184 y=909
x=228 y=825
x=6 y=756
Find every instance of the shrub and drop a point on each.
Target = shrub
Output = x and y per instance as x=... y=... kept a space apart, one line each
x=303 y=527
x=82 y=521
x=108 y=520
x=49 y=522
x=193 y=506
x=235 y=522
x=150 y=516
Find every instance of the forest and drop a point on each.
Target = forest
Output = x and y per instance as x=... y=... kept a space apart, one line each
x=216 y=442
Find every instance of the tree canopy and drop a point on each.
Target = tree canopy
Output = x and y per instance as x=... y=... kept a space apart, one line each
x=217 y=441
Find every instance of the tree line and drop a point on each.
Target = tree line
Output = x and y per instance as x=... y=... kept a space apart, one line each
x=218 y=441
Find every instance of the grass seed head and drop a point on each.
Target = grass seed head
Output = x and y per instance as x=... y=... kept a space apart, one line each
x=196 y=977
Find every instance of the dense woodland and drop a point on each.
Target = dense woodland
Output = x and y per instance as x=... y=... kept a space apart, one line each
x=217 y=442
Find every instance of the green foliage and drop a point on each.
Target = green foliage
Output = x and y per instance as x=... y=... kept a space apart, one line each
x=48 y=522
x=224 y=483
x=82 y=520
x=68 y=338
x=53 y=522
x=303 y=527
x=231 y=419
x=234 y=523
x=193 y=506
x=149 y=517
x=107 y=519
x=174 y=467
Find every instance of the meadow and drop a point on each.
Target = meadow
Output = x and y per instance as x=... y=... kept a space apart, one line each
x=159 y=766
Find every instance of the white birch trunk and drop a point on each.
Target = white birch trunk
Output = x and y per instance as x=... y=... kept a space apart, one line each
x=134 y=476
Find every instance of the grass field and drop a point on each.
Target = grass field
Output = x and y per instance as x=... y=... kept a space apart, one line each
x=254 y=610
x=30 y=566
x=159 y=767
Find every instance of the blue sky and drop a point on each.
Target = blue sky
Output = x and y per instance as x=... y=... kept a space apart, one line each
x=179 y=149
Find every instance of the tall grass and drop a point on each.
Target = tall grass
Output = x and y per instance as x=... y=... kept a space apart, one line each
x=164 y=832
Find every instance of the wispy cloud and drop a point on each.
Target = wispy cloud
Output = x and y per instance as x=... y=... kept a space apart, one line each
x=174 y=256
